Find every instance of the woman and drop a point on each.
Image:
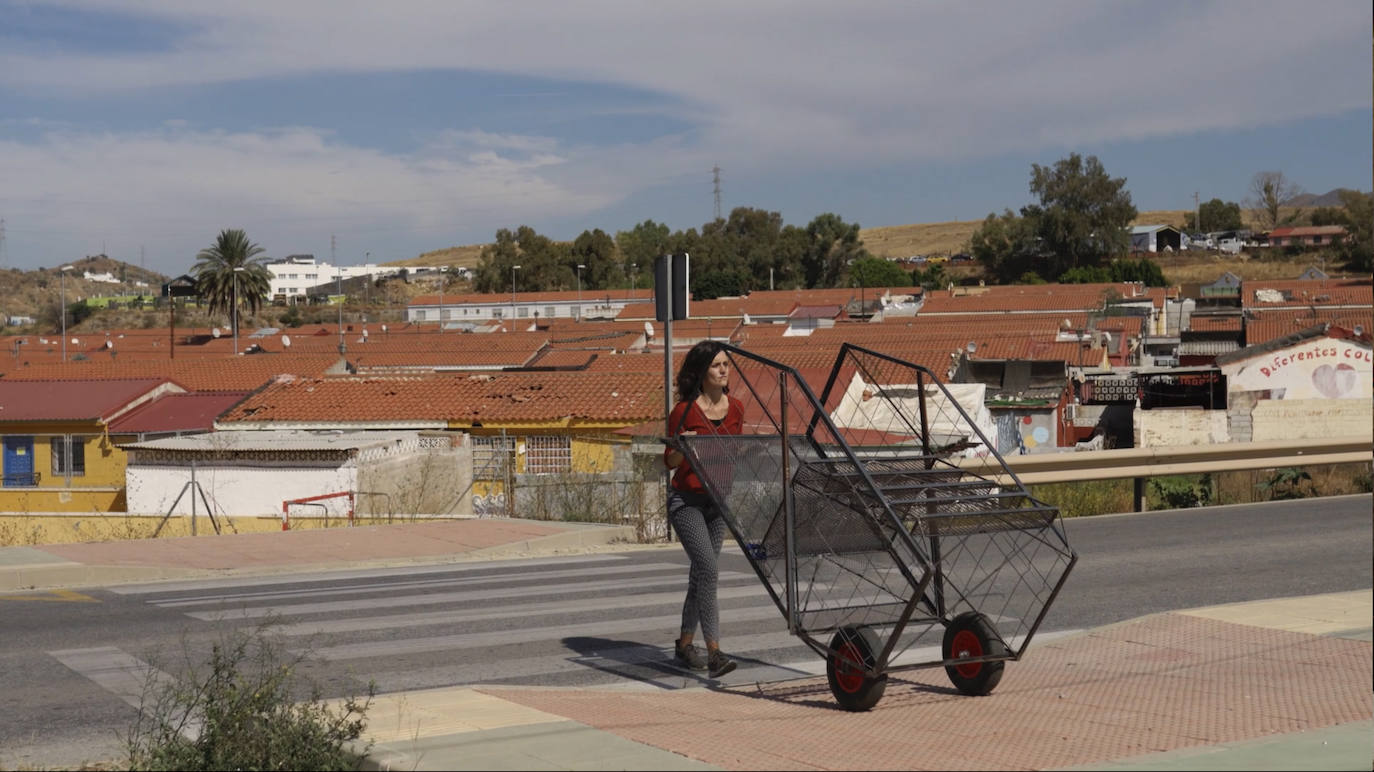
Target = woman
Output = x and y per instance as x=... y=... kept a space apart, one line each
x=704 y=407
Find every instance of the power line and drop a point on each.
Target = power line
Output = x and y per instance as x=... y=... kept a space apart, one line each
x=715 y=178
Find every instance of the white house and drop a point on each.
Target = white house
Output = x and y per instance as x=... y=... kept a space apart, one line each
x=295 y=275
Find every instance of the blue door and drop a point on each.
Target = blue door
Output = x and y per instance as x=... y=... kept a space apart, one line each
x=19 y=462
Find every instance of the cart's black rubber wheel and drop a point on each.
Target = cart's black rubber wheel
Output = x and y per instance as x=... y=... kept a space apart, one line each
x=971 y=635
x=855 y=649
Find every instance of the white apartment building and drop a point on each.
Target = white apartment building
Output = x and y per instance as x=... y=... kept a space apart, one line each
x=295 y=275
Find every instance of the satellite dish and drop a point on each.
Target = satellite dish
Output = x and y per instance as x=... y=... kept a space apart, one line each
x=1066 y=325
x=109 y=343
x=1359 y=330
x=43 y=341
x=76 y=342
x=364 y=333
x=286 y=341
x=1106 y=337
x=384 y=328
x=971 y=347
x=215 y=332
x=648 y=330
x=746 y=317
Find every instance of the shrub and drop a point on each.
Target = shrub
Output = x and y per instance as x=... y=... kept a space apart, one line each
x=238 y=711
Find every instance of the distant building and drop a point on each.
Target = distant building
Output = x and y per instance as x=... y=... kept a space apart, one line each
x=1156 y=238
x=293 y=277
x=1308 y=236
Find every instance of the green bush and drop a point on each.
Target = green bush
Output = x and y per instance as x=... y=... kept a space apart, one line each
x=1180 y=492
x=239 y=711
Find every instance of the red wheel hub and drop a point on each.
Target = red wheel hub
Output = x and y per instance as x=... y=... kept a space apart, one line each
x=849 y=669
x=966 y=645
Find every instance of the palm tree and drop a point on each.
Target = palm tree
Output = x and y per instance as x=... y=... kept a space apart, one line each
x=216 y=275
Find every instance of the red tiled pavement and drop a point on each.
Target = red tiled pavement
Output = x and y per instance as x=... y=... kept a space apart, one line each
x=1159 y=683
x=333 y=545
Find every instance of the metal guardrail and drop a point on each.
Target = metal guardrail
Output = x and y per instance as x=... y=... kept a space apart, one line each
x=1176 y=459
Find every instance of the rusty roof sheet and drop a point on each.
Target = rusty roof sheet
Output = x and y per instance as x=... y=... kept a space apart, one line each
x=192 y=411
x=72 y=400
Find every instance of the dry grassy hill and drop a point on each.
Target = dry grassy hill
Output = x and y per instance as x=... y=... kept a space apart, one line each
x=937 y=238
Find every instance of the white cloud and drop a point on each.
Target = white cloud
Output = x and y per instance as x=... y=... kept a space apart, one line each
x=765 y=85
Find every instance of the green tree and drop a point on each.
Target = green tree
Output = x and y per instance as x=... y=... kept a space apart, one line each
x=597 y=252
x=544 y=263
x=931 y=278
x=1006 y=245
x=218 y=282
x=1269 y=192
x=1214 y=215
x=877 y=272
x=722 y=282
x=1083 y=215
x=1356 y=249
x=641 y=245
x=831 y=243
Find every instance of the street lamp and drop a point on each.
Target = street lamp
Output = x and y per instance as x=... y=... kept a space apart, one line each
x=238 y=269
x=63 y=271
x=338 y=271
x=442 y=277
x=513 y=269
x=579 y=291
x=634 y=274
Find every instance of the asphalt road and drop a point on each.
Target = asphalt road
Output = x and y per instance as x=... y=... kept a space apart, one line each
x=591 y=620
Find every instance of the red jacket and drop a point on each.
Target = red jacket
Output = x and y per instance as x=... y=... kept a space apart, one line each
x=684 y=479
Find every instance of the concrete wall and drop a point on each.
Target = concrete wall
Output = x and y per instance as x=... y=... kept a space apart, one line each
x=433 y=478
x=239 y=489
x=1289 y=419
x=1180 y=426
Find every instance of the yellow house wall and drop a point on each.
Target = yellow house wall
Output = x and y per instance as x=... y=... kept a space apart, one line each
x=591 y=448
x=100 y=489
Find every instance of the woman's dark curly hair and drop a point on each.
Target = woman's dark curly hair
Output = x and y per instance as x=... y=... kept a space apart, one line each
x=694 y=367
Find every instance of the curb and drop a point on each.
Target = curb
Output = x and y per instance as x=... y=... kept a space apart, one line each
x=59 y=573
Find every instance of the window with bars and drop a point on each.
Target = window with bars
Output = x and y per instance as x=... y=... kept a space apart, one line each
x=68 y=456
x=490 y=457
x=548 y=455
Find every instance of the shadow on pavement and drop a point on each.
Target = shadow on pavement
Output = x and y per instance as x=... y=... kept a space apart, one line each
x=638 y=661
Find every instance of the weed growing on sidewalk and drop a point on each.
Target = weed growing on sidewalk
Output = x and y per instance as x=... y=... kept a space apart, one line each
x=241 y=710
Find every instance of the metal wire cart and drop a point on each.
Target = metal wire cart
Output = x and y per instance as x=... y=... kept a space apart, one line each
x=868 y=535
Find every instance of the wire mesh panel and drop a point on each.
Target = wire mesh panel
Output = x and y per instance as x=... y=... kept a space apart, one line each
x=852 y=512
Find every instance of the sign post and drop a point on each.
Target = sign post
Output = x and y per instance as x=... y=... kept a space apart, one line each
x=672 y=298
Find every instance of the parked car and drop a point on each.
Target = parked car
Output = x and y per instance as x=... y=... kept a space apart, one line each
x=962 y=257
x=937 y=259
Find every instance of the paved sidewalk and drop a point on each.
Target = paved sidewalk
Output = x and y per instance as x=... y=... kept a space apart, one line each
x=1278 y=684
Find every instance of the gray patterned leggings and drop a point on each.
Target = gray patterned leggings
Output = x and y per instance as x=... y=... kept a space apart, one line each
x=701 y=538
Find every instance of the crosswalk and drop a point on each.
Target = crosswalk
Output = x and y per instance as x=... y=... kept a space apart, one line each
x=596 y=620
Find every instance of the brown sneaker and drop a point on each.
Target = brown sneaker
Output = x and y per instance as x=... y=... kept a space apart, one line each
x=688 y=656
x=719 y=664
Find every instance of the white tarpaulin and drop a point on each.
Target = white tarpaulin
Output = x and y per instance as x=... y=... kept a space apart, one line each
x=895 y=409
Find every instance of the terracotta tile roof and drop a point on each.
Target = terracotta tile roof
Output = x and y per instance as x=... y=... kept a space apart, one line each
x=1272 y=324
x=457 y=401
x=1037 y=297
x=573 y=358
x=1307 y=230
x=1230 y=323
x=195 y=411
x=73 y=400
x=1311 y=292
x=198 y=374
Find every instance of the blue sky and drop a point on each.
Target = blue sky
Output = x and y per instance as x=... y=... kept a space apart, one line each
x=143 y=127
